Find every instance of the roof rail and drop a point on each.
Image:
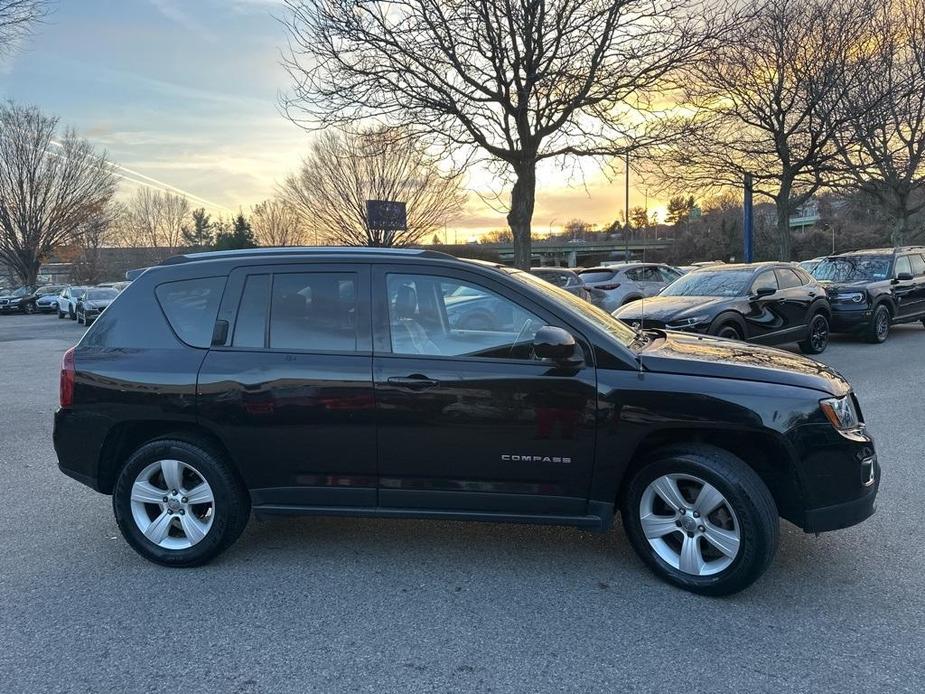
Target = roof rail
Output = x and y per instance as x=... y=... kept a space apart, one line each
x=302 y=250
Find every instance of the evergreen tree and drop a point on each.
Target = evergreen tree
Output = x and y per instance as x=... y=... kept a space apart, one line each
x=240 y=235
x=200 y=236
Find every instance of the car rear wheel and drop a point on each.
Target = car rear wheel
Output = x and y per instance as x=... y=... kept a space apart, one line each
x=701 y=519
x=178 y=504
x=61 y=314
x=28 y=308
x=878 y=330
x=818 y=338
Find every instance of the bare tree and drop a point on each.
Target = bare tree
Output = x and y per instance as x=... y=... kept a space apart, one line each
x=155 y=219
x=509 y=82
x=883 y=150
x=48 y=187
x=277 y=223
x=16 y=17
x=770 y=102
x=95 y=233
x=342 y=172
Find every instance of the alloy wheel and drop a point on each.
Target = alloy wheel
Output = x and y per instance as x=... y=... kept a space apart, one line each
x=172 y=504
x=689 y=524
x=883 y=324
x=819 y=335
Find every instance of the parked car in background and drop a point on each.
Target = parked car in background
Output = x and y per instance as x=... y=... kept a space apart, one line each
x=21 y=300
x=810 y=265
x=67 y=301
x=169 y=400
x=871 y=290
x=119 y=286
x=47 y=297
x=564 y=278
x=625 y=283
x=92 y=303
x=765 y=303
x=684 y=269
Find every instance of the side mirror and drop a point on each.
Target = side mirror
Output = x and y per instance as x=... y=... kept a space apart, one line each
x=764 y=291
x=556 y=345
x=904 y=277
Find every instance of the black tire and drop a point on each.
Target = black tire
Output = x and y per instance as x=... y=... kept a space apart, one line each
x=71 y=314
x=727 y=330
x=79 y=319
x=60 y=314
x=232 y=502
x=878 y=330
x=28 y=308
x=743 y=489
x=818 y=338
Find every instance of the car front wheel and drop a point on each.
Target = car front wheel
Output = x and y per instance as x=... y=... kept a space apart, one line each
x=177 y=503
x=878 y=330
x=701 y=519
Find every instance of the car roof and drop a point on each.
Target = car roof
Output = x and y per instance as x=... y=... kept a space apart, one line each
x=552 y=269
x=879 y=251
x=303 y=252
x=728 y=267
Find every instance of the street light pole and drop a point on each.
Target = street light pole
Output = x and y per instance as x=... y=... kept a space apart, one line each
x=626 y=212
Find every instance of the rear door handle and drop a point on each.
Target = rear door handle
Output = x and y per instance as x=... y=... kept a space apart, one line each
x=413 y=382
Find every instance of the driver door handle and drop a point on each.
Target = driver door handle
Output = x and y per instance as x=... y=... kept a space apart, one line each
x=413 y=382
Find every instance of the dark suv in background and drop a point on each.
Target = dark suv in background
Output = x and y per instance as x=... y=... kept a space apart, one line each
x=766 y=303
x=873 y=289
x=335 y=382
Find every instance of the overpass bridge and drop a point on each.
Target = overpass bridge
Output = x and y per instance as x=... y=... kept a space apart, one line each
x=581 y=253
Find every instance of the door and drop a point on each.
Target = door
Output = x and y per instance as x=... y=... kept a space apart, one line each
x=765 y=318
x=793 y=301
x=904 y=290
x=289 y=389
x=468 y=419
x=917 y=262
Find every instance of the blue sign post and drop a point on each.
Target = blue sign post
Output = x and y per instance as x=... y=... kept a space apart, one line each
x=748 y=221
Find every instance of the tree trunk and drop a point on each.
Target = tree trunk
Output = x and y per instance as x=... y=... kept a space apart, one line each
x=523 y=197
x=27 y=268
x=900 y=231
x=783 y=229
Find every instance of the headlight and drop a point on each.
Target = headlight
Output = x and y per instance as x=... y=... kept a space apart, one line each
x=688 y=322
x=841 y=413
x=852 y=297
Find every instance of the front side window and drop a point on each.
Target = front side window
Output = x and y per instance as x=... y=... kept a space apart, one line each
x=314 y=311
x=440 y=316
x=766 y=280
x=668 y=274
x=191 y=307
x=903 y=266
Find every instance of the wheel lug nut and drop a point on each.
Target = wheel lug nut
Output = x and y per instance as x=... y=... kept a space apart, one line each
x=184 y=499
x=700 y=528
x=696 y=515
x=678 y=523
x=174 y=492
x=182 y=512
x=165 y=499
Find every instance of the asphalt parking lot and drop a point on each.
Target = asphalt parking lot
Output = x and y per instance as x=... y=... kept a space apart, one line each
x=325 y=605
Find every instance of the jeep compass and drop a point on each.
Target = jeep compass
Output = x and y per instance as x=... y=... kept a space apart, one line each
x=345 y=382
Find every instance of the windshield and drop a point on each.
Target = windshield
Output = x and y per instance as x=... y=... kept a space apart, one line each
x=707 y=283
x=619 y=330
x=852 y=268
x=22 y=291
x=101 y=294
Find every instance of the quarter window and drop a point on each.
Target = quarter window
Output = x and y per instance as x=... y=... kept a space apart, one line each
x=438 y=316
x=191 y=307
x=314 y=311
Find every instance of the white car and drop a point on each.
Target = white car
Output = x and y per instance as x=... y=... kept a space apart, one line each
x=628 y=282
x=67 y=301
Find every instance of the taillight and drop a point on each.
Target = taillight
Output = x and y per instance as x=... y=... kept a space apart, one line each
x=609 y=286
x=66 y=392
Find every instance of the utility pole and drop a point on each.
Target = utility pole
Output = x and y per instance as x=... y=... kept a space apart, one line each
x=747 y=221
x=626 y=212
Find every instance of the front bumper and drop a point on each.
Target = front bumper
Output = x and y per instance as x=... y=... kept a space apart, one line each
x=10 y=308
x=849 y=320
x=848 y=513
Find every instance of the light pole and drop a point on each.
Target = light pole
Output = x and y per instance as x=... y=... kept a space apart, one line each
x=626 y=212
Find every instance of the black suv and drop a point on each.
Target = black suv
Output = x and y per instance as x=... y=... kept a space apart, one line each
x=766 y=303
x=334 y=382
x=873 y=289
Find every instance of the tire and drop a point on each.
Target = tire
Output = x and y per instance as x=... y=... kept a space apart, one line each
x=729 y=331
x=60 y=314
x=818 y=338
x=79 y=319
x=878 y=330
x=28 y=309
x=71 y=314
x=747 y=509
x=221 y=523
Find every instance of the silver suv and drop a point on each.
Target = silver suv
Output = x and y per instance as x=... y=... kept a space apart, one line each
x=622 y=284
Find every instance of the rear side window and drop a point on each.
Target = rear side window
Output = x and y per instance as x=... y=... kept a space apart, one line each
x=314 y=311
x=191 y=307
x=788 y=279
x=596 y=275
x=766 y=280
x=918 y=265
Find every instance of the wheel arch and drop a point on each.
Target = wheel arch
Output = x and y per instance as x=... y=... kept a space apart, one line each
x=727 y=317
x=820 y=305
x=763 y=451
x=126 y=437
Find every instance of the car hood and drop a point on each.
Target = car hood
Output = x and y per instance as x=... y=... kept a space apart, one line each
x=97 y=303
x=670 y=308
x=858 y=285
x=702 y=355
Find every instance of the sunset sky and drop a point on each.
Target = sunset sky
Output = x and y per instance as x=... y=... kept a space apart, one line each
x=186 y=93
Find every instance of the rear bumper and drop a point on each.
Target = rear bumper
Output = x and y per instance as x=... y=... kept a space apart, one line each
x=845 y=514
x=78 y=452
